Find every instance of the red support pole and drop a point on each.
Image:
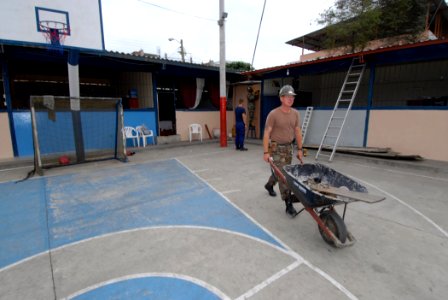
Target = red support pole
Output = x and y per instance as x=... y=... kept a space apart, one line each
x=223 y=117
x=222 y=75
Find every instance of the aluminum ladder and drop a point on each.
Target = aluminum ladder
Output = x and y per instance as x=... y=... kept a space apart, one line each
x=306 y=122
x=342 y=107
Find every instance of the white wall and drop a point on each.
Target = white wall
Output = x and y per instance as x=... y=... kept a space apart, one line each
x=18 y=21
x=352 y=134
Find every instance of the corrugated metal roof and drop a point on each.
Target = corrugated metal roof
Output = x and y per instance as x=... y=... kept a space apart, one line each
x=156 y=59
x=152 y=58
x=345 y=56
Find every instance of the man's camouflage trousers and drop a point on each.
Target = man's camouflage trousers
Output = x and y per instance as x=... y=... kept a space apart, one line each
x=282 y=156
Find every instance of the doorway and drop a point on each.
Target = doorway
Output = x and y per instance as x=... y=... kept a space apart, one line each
x=166 y=97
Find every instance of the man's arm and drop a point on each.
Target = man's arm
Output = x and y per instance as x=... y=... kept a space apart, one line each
x=266 y=136
x=298 y=133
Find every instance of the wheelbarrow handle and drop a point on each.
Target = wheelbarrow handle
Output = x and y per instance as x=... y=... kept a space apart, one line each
x=277 y=171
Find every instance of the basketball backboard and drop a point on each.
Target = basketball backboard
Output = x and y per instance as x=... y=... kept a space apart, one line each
x=75 y=24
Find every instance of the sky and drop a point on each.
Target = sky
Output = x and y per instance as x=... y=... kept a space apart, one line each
x=131 y=25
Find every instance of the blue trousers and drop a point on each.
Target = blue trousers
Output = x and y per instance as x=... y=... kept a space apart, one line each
x=239 y=138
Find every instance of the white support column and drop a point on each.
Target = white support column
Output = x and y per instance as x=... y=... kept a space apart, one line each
x=73 y=84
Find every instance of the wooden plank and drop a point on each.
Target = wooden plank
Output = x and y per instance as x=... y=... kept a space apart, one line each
x=347 y=149
x=330 y=190
x=208 y=131
x=390 y=155
x=386 y=153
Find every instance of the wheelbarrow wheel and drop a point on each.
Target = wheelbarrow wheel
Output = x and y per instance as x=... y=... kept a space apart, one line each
x=335 y=224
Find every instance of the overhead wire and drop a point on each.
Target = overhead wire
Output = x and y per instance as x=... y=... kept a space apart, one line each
x=258 y=34
x=175 y=11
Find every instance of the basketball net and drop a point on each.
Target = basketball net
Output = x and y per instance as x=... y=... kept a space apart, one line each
x=55 y=33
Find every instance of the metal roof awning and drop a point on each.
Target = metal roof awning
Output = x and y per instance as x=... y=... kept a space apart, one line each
x=311 y=41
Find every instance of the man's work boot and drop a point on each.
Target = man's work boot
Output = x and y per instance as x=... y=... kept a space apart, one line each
x=290 y=210
x=294 y=198
x=270 y=190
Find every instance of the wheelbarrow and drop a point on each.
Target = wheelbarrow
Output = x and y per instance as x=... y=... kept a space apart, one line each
x=320 y=188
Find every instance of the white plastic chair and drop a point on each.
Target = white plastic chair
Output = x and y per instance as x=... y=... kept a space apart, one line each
x=131 y=133
x=145 y=133
x=194 y=129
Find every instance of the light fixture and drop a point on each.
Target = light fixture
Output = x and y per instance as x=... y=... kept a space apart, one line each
x=182 y=50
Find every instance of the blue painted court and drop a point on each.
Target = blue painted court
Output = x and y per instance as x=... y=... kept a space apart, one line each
x=47 y=213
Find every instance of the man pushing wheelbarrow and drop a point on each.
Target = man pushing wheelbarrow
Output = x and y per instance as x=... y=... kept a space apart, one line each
x=282 y=127
x=317 y=187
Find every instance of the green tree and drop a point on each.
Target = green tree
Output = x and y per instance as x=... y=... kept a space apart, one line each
x=239 y=66
x=402 y=17
x=356 y=22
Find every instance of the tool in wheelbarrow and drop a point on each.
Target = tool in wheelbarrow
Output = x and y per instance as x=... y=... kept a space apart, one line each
x=320 y=188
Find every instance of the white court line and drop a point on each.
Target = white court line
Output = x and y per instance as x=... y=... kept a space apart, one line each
x=29 y=258
x=402 y=172
x=257 y=288
x=213 y=178
x=333 y=281
x=270 y=280
x=12 y=169
x=114 y=233
x=408 y=206
x=196 y=281
x=202 y=154
x=231 y=191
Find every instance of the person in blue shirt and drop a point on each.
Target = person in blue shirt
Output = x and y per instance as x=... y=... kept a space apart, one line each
x=241 y=121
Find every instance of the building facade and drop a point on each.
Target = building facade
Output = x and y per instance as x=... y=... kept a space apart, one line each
x=402 y=101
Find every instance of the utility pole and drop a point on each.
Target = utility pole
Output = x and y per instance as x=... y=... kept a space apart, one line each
x=222 y=75
x=182 y=50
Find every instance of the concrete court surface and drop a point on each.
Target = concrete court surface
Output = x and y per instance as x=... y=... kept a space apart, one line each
x=194 y=222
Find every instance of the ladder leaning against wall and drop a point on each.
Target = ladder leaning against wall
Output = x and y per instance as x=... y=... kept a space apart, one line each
x=342 y=107
x=306 y=122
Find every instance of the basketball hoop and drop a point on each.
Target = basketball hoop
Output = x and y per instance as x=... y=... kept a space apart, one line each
x=55 y=33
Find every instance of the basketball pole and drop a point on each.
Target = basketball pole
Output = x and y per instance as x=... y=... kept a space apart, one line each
x=222 y=75
x=73 y=84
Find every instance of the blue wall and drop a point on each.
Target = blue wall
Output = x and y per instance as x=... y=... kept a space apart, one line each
x=23 y=133
x=24 y=137
x=141 y=117
x=136 y=118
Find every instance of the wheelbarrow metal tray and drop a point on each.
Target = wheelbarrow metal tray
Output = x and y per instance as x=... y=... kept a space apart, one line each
x=298 y=176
